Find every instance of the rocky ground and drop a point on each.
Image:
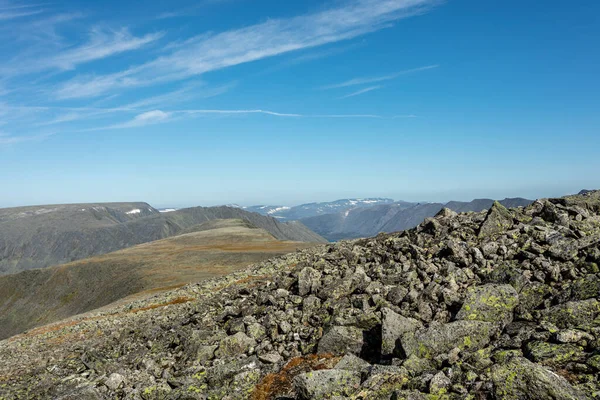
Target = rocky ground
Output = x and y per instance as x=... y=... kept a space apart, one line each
x=502 y=304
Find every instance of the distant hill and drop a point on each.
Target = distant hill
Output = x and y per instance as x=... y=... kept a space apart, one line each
x=41 y=236
x=215 y=248
x=398 y=216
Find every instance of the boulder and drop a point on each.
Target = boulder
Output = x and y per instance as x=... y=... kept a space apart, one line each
x=489 y=303
x=326 y=384
x=340 y=340
x=234 y=345
x=497 y=221
x=437 y=340
x=394 y=326
x=519 y=379
x=309 y=280
x=573 y=313
x=350 y=362
x=555 y=354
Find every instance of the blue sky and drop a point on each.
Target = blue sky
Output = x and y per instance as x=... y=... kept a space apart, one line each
x=237 y=101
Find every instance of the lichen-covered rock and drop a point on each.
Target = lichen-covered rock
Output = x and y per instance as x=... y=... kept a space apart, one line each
x=341 y=340
x=350 y=362
x=521 y=379
x=573 y=313
x=326 y=384
x=309 y=281
x=497 y=221
x=539 y=351
x=489 y=303
x=235 y=344
x=394 y=326
x=436 y=340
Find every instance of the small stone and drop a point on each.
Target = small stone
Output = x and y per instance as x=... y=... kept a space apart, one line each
x=439 y=384
x=572 y=336
x=114 y=381
x=236 y=344
x=270 y=358
x=309 y=280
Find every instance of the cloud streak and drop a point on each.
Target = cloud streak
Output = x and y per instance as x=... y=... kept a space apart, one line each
x=377 y=79
x=205 y=53
x=362 y=91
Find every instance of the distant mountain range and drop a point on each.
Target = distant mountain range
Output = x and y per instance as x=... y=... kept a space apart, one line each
x=41 y=236
x=365 y=222
x=354 y=218
x=285 y=213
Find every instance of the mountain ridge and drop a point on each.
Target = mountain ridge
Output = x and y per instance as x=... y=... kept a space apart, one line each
x=41 y=236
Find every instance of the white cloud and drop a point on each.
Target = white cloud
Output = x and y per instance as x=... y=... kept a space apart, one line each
x=364 y=81
x=207 y=53
x=362 y=91
x=147 y=118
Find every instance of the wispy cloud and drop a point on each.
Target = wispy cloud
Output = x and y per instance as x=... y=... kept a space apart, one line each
x=377 y=79
x=101 y=44
x=9 y=10
x=362 y=91
x=6 y=139
x=207 y=53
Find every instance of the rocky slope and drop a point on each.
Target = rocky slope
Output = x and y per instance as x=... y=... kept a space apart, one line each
x=38 y=237
x=214 y=248
x=502 y=304
x=399 y=216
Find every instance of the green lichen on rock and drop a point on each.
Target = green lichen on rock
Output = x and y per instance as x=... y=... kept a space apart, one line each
x=556 y=354
x=489 y=303
x=519 y=379
x=498 y=220
x=573 y=313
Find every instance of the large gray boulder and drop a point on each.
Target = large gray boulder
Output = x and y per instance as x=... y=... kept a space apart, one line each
x=340 y=340
x=489 y=303
x=572 y=313
x=326 y=384
x=519 y=378
x=467 y=336
x=394 y=326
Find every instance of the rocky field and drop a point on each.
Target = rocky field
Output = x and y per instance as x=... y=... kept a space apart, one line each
x=502 y=304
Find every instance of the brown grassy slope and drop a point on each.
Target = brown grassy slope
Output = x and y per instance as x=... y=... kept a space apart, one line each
x=37 y=297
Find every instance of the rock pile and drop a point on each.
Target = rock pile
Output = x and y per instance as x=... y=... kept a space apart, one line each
x=503 y=304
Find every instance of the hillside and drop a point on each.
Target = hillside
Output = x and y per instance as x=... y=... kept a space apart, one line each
x=369 y=221
x=37 y=297
x=38 y=237
x=500 y=304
